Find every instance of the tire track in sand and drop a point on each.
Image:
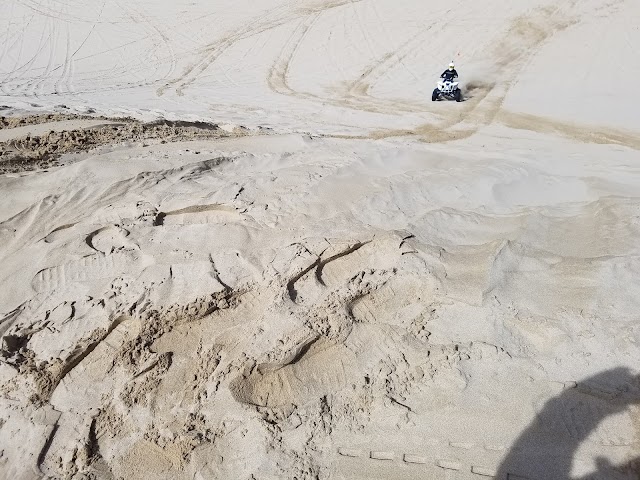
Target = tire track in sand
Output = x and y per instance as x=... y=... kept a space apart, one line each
x=278 y=77
x=522 y=40
x=358 y=89
x=32 y=86
x=271 y=19
x=18 y=71
x=520 y=43
x=161 y=44
x=212 y=51
x=66 y=67
x=580 y=133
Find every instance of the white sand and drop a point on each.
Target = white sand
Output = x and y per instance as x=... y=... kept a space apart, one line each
x=380 y=287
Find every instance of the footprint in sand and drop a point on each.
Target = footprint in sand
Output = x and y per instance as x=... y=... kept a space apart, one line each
x=86 y=269
x=109 y=239
x=59 y=233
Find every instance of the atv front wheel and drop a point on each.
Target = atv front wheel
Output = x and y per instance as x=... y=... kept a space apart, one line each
x=458 y=95
x=435 y=95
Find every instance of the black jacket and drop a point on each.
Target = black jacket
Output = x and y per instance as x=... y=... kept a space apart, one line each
x=449 y=74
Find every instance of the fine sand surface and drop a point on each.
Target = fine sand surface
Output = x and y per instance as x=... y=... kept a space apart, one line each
x=238 y=240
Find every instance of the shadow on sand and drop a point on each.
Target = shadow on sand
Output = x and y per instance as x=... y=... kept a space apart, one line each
x=547 y=448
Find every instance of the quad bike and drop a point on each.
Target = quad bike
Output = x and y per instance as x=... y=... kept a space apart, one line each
x=447 y=89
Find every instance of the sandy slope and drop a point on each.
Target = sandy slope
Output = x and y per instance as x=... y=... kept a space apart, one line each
x=378 y=287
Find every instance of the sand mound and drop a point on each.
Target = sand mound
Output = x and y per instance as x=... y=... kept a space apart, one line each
x=198 y=333
x=33 y=152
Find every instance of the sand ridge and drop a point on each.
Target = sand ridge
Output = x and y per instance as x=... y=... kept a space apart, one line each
x=23 y=150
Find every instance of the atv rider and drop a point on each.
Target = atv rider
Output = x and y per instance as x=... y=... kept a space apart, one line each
x=450 y=74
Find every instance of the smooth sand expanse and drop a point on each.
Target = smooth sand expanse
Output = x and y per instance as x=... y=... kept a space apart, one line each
x=239 y=241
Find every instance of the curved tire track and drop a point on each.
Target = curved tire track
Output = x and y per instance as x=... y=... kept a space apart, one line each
x=271 y=19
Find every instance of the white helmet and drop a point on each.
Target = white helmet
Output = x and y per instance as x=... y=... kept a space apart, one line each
x=451 y=66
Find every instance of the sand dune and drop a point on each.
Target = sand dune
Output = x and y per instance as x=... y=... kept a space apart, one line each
x=240 y=241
